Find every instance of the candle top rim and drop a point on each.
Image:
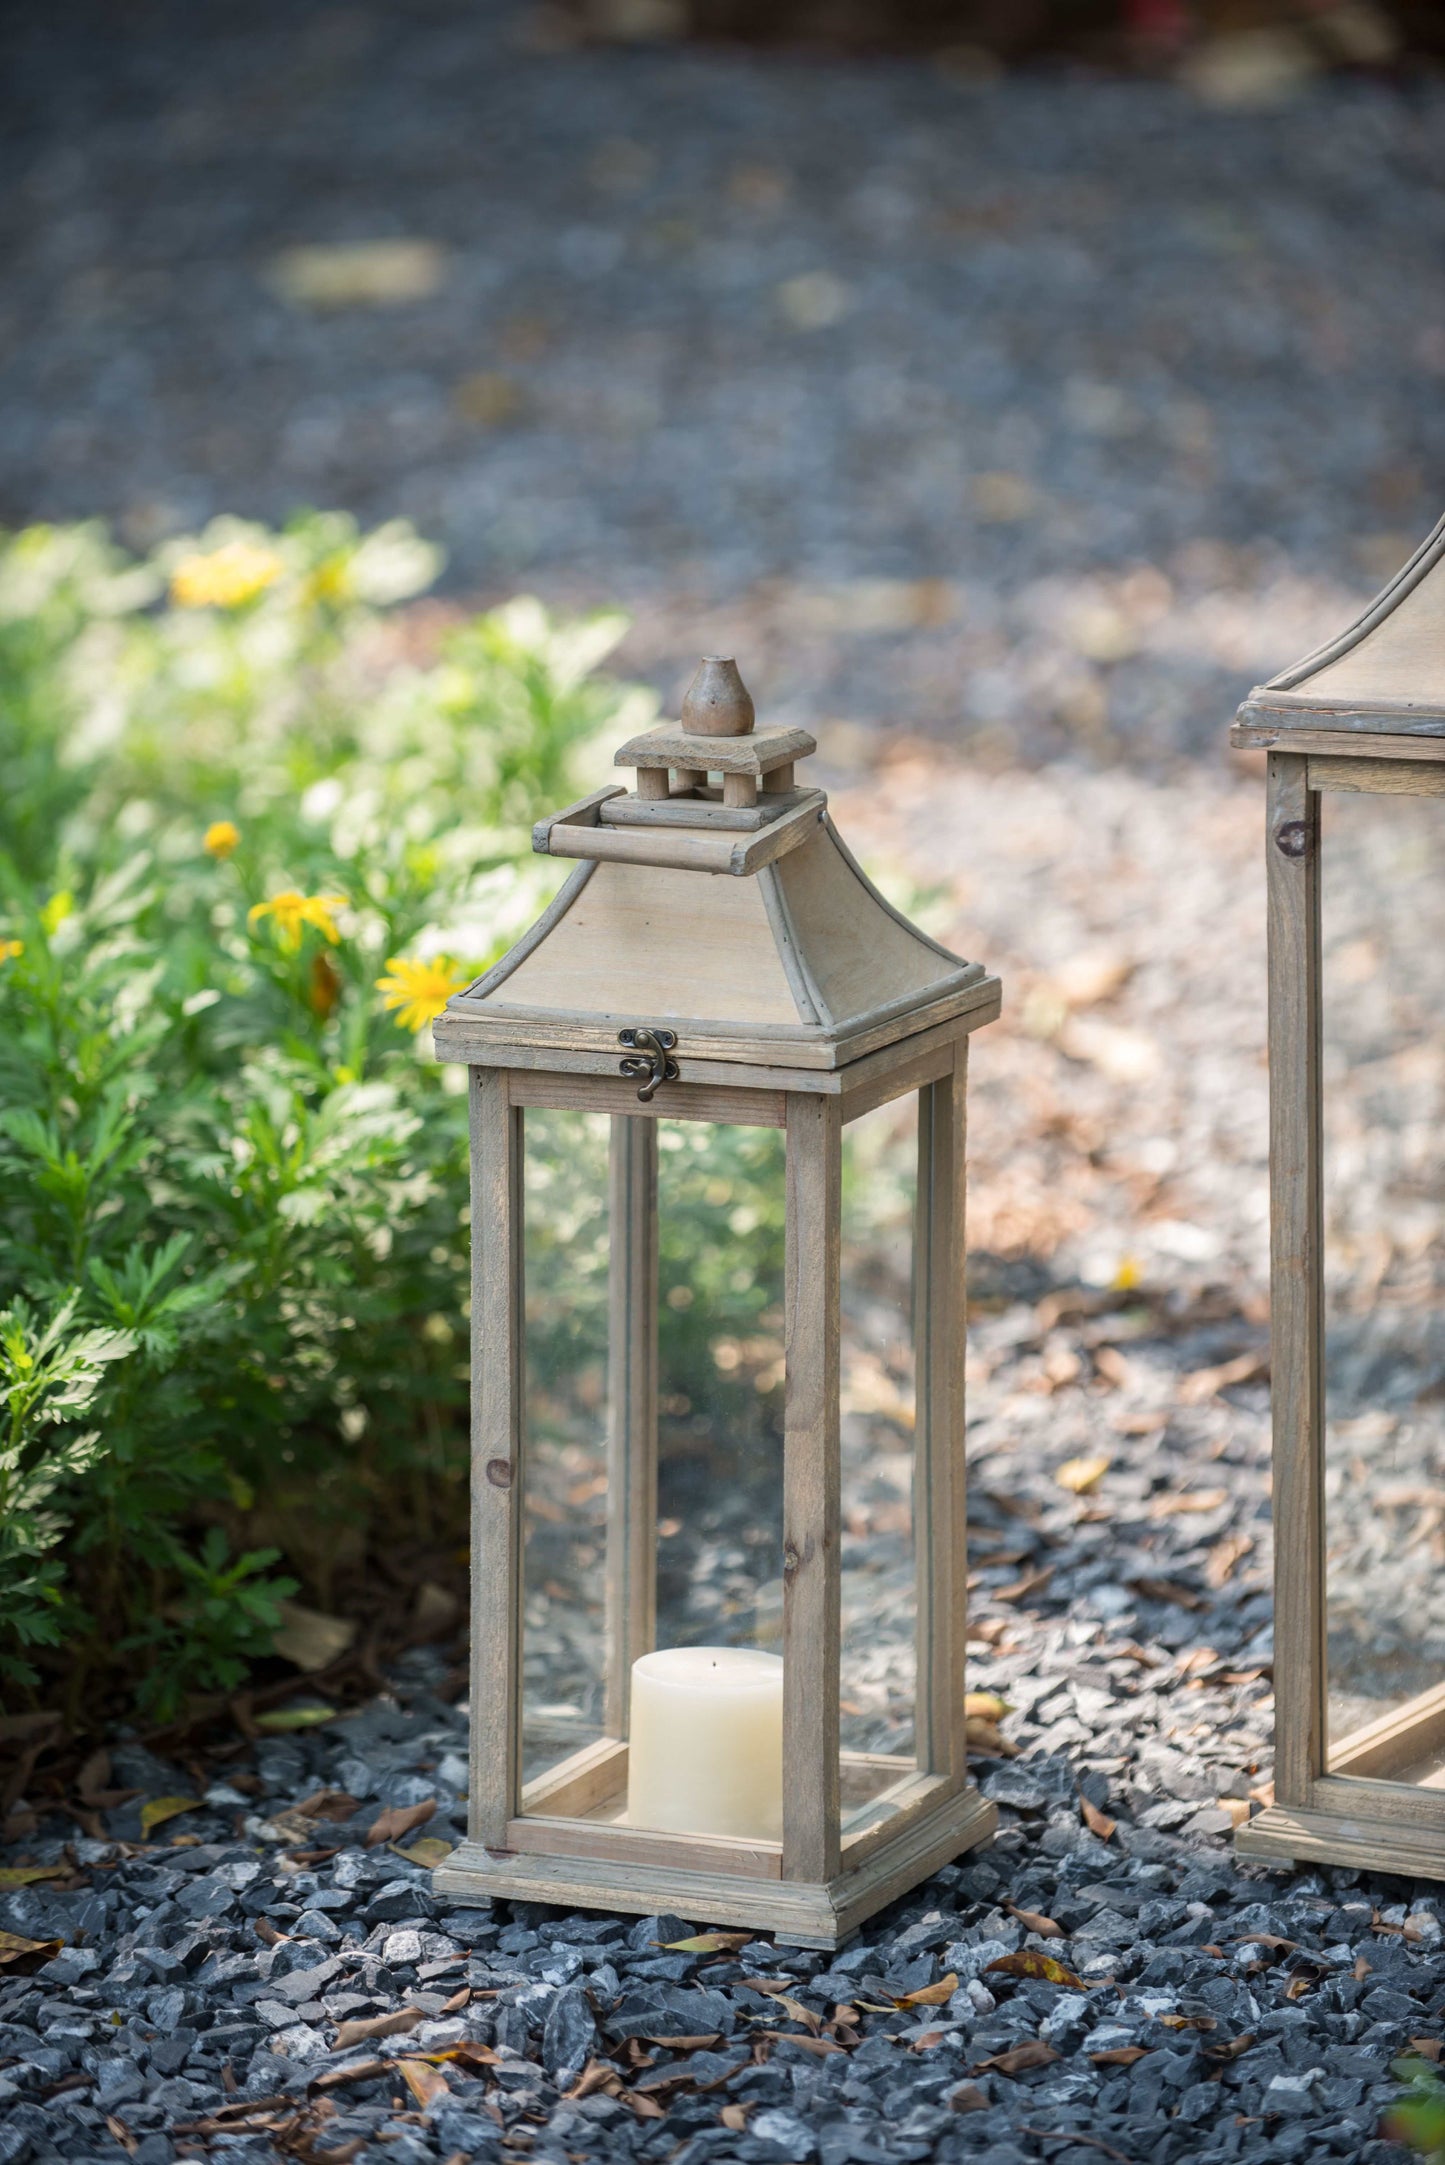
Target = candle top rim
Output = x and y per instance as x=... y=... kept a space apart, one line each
x=727 y=1668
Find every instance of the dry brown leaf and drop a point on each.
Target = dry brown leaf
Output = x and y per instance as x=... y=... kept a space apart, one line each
x=1299 y=1986
x=1237 y=1808
x=311 y=1640
x=1081 y=1475
x=820 y=2047
x=969 y=2098
x=1028 y=1962
x=1097 y=1822
x=1205 y=1383
x=1120 y=2056
x=1231 y=2047
x=645 y=2107
x=1183 y=1597
x=596 y=2076
x=1033 y=2052
x=457 y=2002
x=1179 y=1503
x=1361 y=1969
x=1219 y=1565
x=396 y=2024
x=399 y=1820
x=426 y=2083
x=1033 y=1583
x=1429 y=2048
x=330 y=1804
x=26 y=1955
x=1033 y=1921
x=735 y=2117
x=686 y=2044
x=987 y=1742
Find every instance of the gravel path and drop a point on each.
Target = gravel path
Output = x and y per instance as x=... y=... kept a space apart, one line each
x=1050 y=411
x=1121 y=1608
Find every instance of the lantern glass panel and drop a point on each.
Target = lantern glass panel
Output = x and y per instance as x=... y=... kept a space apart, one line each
x=721 y=1198
x=879 y=1663
x=1384 y=1210
x=564 y=1458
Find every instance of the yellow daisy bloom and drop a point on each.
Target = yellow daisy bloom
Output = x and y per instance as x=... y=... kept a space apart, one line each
x=292 y=911
x=418 y=991
x=9 y=949
x=225 y=577
x=221 y=838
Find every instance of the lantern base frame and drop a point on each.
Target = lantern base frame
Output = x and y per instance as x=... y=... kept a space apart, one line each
x=1365 y=1841
x=805 y=1913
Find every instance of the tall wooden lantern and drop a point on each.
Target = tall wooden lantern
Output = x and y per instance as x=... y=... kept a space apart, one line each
x=1356 y=852
x=716 y=967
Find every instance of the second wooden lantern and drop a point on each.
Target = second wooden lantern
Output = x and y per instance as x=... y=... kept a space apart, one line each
x=716 y=967
x=1355 y=736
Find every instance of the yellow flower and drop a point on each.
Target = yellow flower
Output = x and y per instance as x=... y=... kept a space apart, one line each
x=9 y=949
x=418 y=991
x=292 y=910
x=222 y=837
x=228 y=576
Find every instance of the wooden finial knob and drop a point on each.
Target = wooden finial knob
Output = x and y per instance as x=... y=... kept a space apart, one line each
x=717 y=703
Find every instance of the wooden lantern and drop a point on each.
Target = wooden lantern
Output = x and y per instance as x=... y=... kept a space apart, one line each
x=718 y=956
x=1359 y=1780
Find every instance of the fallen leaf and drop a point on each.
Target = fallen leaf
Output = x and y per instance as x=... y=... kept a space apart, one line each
x=777 y=1992
x=1119 y=2056
x=1179 y=1503
x=1183 y=1597
x=1429 y=2048
x=425 y=2083
x=160 y=1809
x=986 y=1741
x=686 y=2044
x=1361 y=1969
x=1032 y=1583
x=820 y=2047
x=25 y=1875
x=1033 y=1921
x=268 y=1935
x=645 y=2107
x=1097 y=1822
x=282 y=1718
x=1266 y=1939
x=336 y=1804
x=358 y=274
x=27 y=1954
x=1033 y=2052
x=1187 y=2022
x=1220 y=1562
x=309 y=1639
x=596 y=2076
x=399 y=1820
x=1080 y=1475
x=707 y=1943
x=396 y=2024
x=1237 y=1808
x=969 y=2098
x=1028 y=1962
x=985 y=1706
x=735 y=2117
x=1230 y=2048
x=930 y=1995
x=929 y=2039
x=1299 y=1986
x=1204 y=1383
x=430 y=1851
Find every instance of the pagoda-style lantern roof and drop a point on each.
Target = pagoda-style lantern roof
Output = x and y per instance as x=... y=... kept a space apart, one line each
x=716 y=898
x=1385 y=676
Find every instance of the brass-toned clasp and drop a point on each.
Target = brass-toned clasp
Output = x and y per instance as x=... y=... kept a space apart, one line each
x=648 y=1057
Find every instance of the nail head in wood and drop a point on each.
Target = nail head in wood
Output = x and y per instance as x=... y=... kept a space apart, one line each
x=717 y=703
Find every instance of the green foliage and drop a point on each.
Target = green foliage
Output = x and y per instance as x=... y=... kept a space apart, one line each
x=250 y=836
x=1419 y=2116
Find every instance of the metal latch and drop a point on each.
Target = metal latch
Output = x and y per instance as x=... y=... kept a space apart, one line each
x=647 y=1057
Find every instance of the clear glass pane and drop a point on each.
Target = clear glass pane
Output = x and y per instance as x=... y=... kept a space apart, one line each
x=720 y=1385
x=879 y=1582
x=1384 y=1199
x=565 y=1454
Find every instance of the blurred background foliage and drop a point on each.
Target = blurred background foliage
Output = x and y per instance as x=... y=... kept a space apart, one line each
x=249 y=842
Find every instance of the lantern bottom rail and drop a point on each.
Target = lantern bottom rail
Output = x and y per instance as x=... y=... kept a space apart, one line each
x=1334 y=1834
x=639 y=1875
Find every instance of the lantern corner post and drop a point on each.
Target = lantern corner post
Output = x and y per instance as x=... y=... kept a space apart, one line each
x=632 y=1361
x=940 y=1496
x=1296 y=1275
x=812 y=1489
x=497 y=1343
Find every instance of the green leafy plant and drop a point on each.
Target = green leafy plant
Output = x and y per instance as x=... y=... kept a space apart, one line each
x=1418 y=2118
x=256 y=827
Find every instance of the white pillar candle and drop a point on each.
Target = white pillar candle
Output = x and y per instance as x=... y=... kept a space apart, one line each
x=705 y=1754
